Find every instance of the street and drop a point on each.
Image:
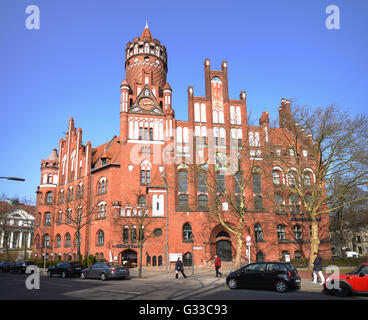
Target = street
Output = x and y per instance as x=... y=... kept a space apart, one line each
x=154 y=287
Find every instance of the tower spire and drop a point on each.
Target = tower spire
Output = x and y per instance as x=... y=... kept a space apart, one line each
x=146 y=27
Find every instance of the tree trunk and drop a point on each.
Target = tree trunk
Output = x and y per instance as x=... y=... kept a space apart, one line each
x=314 y=241
x=140 y=260
x=238 y=252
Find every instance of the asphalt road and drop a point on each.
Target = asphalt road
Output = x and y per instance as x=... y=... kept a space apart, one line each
x=155 y=287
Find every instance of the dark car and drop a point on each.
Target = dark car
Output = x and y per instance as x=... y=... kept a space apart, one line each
x=279 y=276
x=65 y=269
x=21 y=266
x=355 y=282
x=5 y=266
x=105 y=270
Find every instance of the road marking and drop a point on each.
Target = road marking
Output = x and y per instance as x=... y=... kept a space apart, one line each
x=59 y=285
x=120 y=292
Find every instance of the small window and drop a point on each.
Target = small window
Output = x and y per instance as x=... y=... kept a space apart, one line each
x=157 y=232
x=187 y=232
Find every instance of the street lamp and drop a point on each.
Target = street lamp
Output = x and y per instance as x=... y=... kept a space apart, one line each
x=13 y=178
x=192 y=240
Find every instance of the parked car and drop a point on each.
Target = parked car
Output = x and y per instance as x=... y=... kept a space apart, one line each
x=21 y=266
x=355 y=282
x=105 y=270
x=352 y=254
x=5 y=266
x=65 y=269
x=280 y=276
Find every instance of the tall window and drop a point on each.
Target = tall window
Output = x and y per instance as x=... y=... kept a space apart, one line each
x=202 y=181
x=257 y=183
x=126 y=234
x=298 y=232
x=294 y=202
x=187 y=232
x=183 y=201
x=67 y=240
x=134 y=234
x=46 y=241
x=307 y=179
x=59 y=217
x=48 y=197
x=238 y=182
x=145 y=177
x=278 y=203
x=187 y=259
x=48 y=219
x=281 y=235
x=220 y=182
x=276 y=177
x=58 y=241
x=182 y=181
x=258 y=203
x=202 y=202
x=70 y=194
x=100 y=238
x=258 y=232
x=292 y=179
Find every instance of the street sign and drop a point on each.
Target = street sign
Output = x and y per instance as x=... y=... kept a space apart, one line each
x=197 y=248
x=248 y=244
x=248 y=238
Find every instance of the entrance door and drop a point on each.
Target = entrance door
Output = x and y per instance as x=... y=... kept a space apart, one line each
x=129 y=258
x=223 y=250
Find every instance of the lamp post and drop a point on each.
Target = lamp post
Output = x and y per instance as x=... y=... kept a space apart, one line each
x=192 y=240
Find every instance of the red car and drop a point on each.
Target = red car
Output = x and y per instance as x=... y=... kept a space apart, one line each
x=355 y=282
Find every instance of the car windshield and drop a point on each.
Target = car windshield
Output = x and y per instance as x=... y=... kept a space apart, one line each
x=360 y=269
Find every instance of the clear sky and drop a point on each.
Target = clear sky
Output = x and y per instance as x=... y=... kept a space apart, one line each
x=74 y=64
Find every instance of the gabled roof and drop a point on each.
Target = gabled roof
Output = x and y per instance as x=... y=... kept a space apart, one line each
x=21 y=209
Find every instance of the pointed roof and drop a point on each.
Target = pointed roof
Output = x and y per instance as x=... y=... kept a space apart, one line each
x=146 y=34
x=53 y=156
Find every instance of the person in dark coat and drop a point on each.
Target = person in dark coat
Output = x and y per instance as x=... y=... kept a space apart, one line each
x=179 y=267
x=218 y=266
x=317 y=269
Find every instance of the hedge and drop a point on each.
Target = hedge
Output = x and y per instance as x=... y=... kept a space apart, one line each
x=336 y=261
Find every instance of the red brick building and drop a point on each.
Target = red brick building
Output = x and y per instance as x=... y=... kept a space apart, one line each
x=144 y=171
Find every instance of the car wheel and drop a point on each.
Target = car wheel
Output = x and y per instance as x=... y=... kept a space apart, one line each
x=342 y=291
x=232 y=283
x=281 y=286
x=103 y=276
x=63 y=274
x=49 y=274
x=83 y=276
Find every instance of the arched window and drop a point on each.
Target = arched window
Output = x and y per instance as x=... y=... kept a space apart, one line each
x=67 y=240
x=159 y=260
x=148 y=259
x=154 y=261
x=220 y=182
x=202 y=181
x=58 y=241
x=70 y=194
x=126 y=234
x=307 y=179
x=134 y=234
x=142 y=201
x=46 y=241
x=202 y=202
x=187 y=232
x=258 y=232
x=238 y=179
x=187 y=259
x=183 y=201
x=47 y=221
x=276 y=177
x=100 y=238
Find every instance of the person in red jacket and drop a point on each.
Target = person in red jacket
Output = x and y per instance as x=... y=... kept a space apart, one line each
x=218 y=266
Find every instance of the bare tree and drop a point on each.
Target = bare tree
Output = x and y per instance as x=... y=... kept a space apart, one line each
x=333 y=144
x=138 y=215
x=75 y=210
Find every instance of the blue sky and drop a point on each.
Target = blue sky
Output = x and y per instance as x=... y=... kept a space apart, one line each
x=73 y=65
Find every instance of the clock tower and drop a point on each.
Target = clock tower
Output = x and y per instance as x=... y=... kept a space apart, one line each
x=145 y=94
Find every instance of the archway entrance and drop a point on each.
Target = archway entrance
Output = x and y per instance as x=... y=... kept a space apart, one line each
x=129 y=258
x=223 y=250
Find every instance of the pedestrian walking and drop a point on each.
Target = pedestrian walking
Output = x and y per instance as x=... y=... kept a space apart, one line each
x=317 y=269
x=218 y=266
x=179 y=267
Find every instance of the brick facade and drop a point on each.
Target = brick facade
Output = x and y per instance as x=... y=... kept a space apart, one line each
x=126 y=177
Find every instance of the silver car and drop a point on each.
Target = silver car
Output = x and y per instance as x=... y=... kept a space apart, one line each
x=105 y=270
